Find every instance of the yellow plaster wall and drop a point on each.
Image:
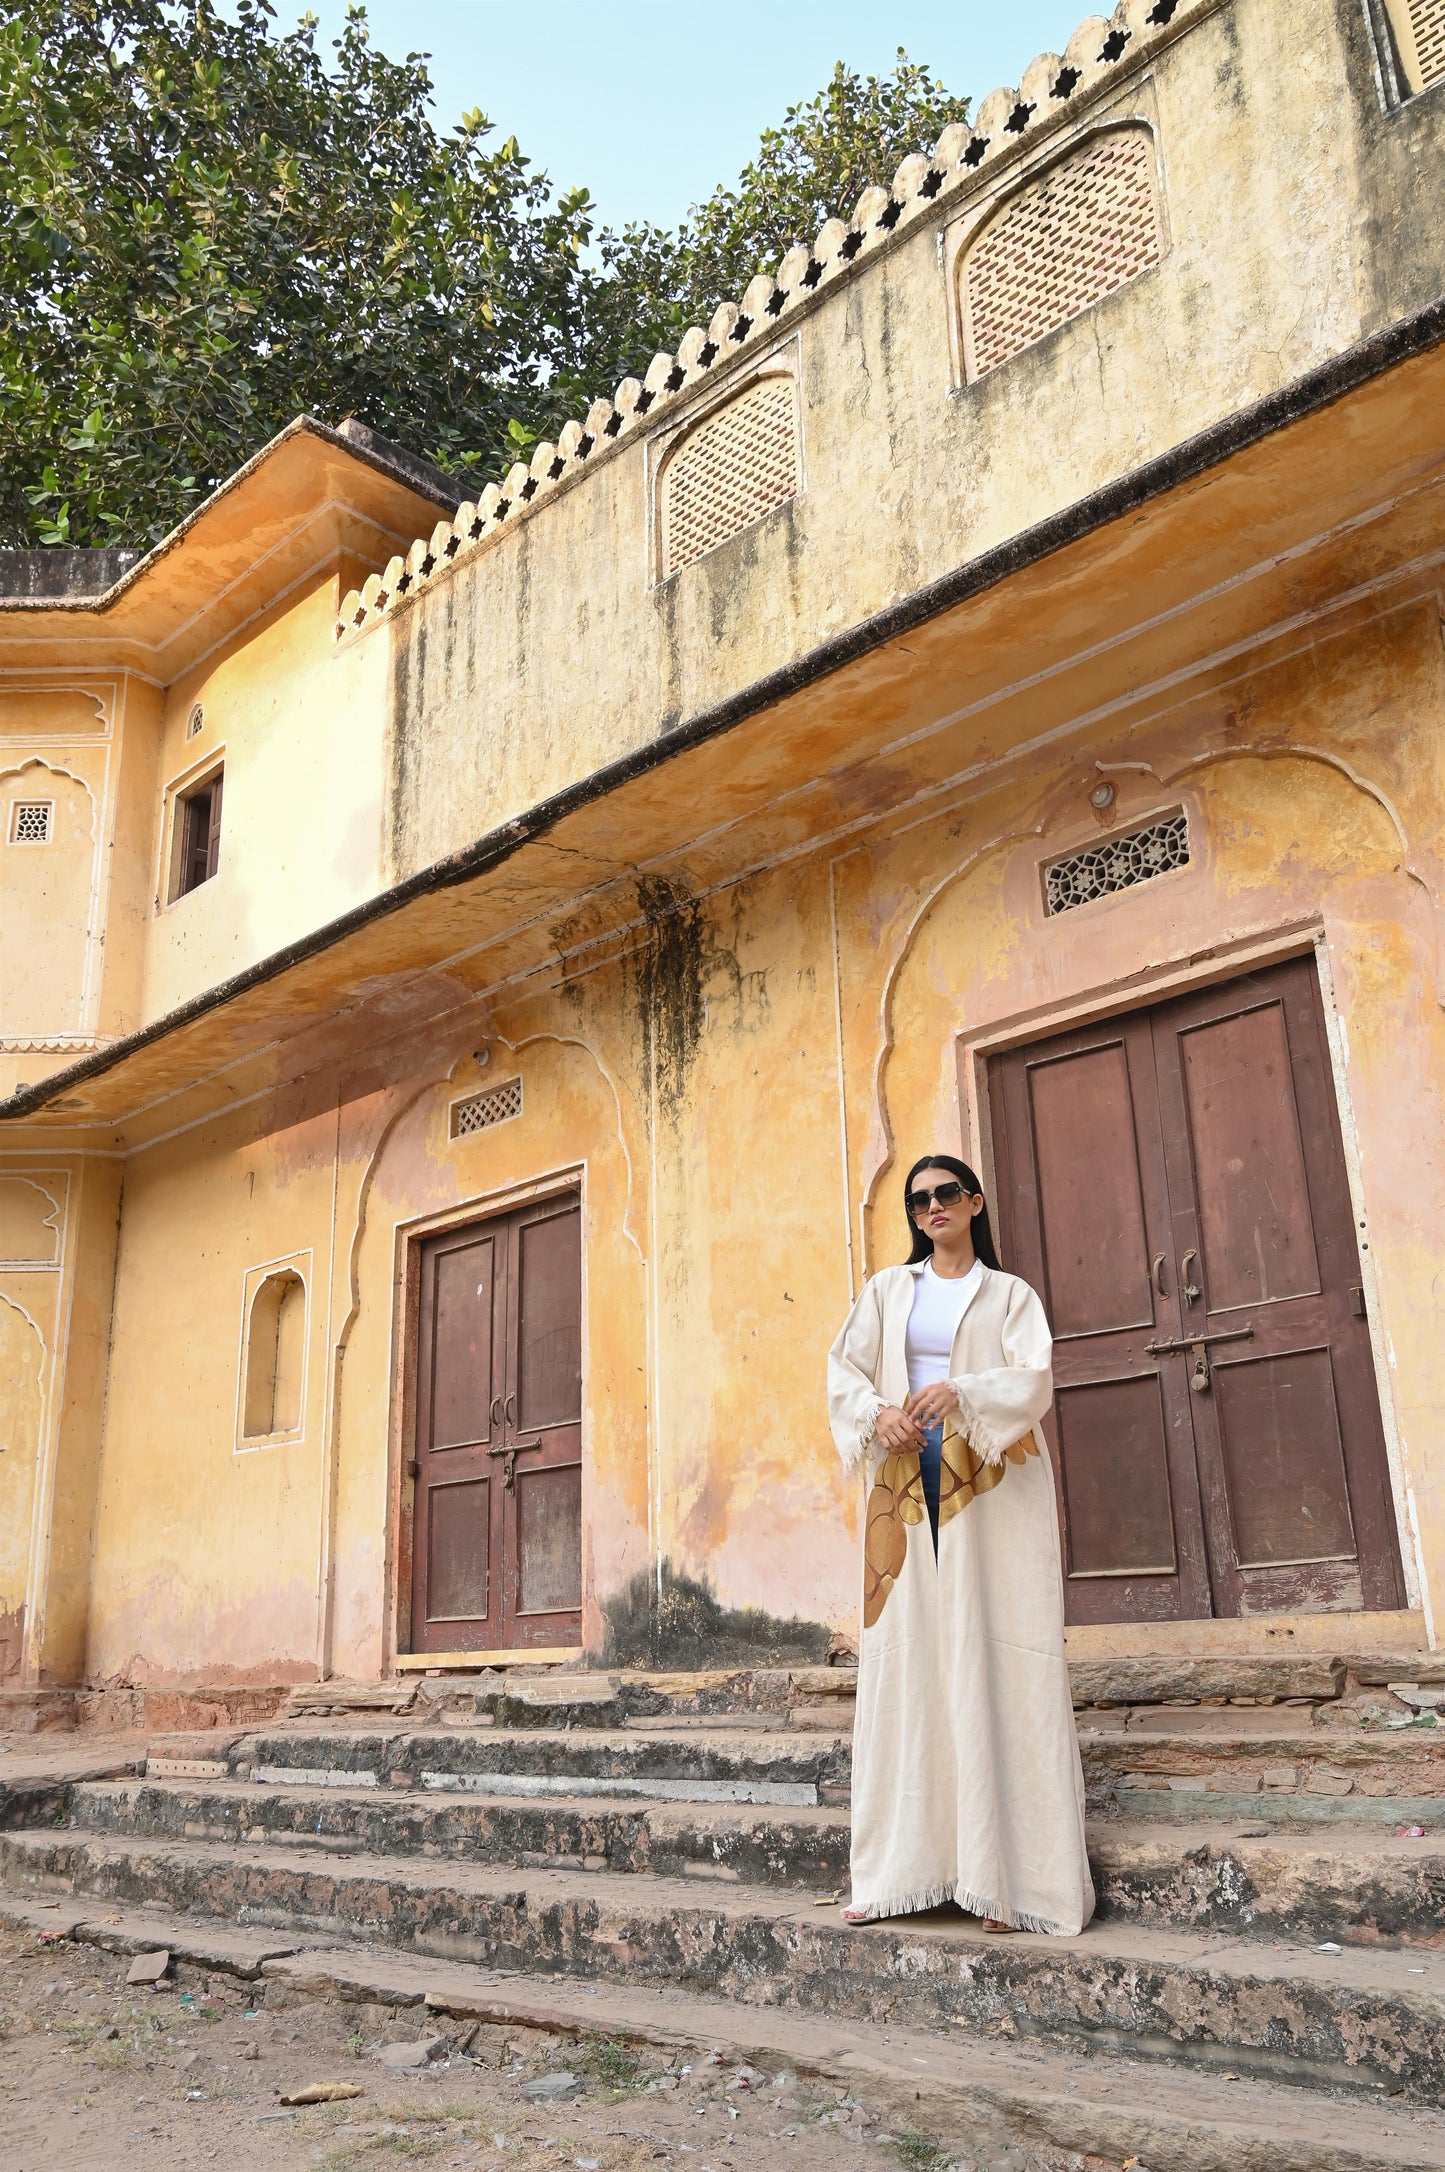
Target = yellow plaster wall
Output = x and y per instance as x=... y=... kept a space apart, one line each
x=65 y=1525
x=693 y=1075
x=57 y=744
x=36 y=1250
x=301 y=733
x=206 y=1554
x=553 y=649
x=574 y=1120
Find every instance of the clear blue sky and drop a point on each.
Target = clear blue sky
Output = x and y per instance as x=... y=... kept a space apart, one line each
x=650 y=103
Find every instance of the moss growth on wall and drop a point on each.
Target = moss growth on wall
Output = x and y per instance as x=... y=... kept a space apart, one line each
x=675 y=1621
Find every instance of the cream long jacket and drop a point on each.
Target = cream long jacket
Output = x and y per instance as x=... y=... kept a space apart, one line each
x=966 y=1777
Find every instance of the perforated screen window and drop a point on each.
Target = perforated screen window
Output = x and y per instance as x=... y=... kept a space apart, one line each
x=30 y=821
x=1117 y=864
x=480 y=1111
x=1081 y=231
x=1419 y=27
x=734 y=467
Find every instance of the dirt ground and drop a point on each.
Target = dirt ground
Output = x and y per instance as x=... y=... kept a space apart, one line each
x=94 y=2076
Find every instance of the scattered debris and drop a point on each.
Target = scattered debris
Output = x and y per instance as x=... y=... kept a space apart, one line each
x=149 y=1968
x=324 y=2092
x=404 y=2057
x=552 y=2088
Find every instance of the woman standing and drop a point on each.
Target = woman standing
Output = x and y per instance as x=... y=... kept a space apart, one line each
x=966 y=1777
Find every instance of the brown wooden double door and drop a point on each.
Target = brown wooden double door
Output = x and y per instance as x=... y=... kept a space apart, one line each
x=497 y=1536
x=1173 y=1184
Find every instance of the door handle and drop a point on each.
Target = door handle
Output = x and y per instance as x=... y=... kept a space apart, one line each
x=1157 y=1273
x=1190 y=1290
x=496 y=1413
x=511 y=1410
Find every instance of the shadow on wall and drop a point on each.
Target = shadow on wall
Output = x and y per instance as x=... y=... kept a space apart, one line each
x=676 y=1622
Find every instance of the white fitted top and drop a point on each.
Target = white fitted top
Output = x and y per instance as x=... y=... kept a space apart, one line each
x=932 y=1323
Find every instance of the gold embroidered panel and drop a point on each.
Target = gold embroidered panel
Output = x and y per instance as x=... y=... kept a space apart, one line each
x=896 y=1503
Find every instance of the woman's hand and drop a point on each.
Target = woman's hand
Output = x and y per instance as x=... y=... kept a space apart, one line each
x=895 y=1432
x=931 y=1405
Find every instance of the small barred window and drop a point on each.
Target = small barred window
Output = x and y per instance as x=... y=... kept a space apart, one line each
x=1080 y=231
x=1419 y=31
x=31 y=820
x=1117 y=864
x=732 y=468
x=195 y=722
x=480 y=1111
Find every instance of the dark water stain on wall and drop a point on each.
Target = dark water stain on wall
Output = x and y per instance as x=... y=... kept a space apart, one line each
x=670 y=967
x=676 y=1621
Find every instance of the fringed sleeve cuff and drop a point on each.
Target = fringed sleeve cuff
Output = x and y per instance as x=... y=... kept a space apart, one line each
x=856 y=1453
x=981 y=1437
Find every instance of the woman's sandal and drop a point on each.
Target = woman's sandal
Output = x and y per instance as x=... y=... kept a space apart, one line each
x=856 y=1915
x=996 y=1923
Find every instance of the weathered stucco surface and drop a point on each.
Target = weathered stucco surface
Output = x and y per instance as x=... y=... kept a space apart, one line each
x=1294 y=224
x=745 y=987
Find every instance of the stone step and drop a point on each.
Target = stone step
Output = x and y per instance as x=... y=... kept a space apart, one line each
x=804 y=1848
x=1320 y=1763
x=971 y=2092
x=1357 y=1887
x=697 y=1765
x=532 y=1693
x=1268 y=1751
x=1359 y=2018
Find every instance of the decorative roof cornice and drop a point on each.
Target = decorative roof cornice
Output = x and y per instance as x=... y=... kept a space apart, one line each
x=1053 y=90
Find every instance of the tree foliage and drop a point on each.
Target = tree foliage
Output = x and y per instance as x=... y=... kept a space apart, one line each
x=811 y=168
x=212 y=226
x=209 y=230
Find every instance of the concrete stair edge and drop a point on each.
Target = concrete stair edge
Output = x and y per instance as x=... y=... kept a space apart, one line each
x=962 y=2088
x=1355 y=1884
x=1351 y=2019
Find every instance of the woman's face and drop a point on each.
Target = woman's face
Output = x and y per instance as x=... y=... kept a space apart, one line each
x=949 y=1216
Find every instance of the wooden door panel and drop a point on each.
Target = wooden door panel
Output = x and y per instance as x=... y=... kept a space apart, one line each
x=1084 y=1214
x=1284 y=1462
x=464 y=1291
x=549 y=1329
x=497 y=1539
x=1291 y=1453
x=1091 y=1206
x=1114 y=1462
x=1256 y=1234
x=549 y=1539
x=459 y=1550
x=542 y=1599
x=1168 y=1179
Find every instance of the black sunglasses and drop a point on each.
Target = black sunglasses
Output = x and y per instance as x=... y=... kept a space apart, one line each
x=947 y=1195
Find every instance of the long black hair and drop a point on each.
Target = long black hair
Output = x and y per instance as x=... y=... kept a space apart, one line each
x=983 y=1243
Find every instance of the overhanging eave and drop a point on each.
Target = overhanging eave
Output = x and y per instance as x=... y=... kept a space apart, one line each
x=1302 y=505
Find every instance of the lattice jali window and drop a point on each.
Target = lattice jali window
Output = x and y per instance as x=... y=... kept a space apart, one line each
x=32 y=821
x=1082 y=230
x=733 y=467
x=1419 y=28
x=480 y=1111
x=1117 y=864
